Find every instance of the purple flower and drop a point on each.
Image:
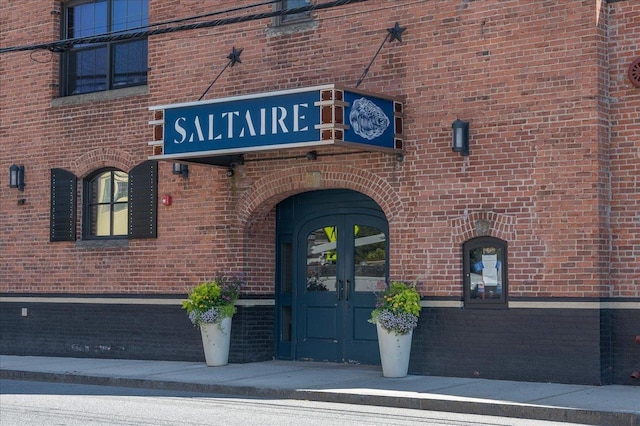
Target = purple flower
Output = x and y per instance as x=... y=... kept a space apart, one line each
x=401 y=323
x=208 y=317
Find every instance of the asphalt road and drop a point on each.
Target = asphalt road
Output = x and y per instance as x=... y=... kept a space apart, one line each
x=46 y=403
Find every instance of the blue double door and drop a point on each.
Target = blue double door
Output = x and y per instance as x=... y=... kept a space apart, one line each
x=338 y=259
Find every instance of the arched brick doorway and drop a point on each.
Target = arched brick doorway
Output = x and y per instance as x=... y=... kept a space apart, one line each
x=332 y=252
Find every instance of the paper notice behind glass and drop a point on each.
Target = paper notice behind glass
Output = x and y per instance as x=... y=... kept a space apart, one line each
x=490 y=271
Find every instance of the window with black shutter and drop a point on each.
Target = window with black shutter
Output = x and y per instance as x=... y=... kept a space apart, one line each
x=116 y=204
x=143 y=196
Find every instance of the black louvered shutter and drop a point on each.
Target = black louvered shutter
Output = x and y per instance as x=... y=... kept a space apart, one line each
x=143 y=196
x=63 y=205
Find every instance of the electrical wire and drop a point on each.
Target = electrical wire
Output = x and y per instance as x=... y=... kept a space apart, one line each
x=40 y=61
x=208 y=15
x=64 y=45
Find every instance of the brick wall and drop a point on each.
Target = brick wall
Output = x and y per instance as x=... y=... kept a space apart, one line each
x=554 y=126
x=584 y=346
x=528 y=344
x=515 y=344
x=126 y=331
x=527 y=75
x=624 y=100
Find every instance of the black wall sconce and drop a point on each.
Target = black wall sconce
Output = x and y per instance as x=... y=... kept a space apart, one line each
x=460 y=141
x=181 y=169
x=16 y=177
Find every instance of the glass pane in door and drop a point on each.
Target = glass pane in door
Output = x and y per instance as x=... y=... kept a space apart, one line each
x=322 y=256
x=370 y=258
x=485 y=279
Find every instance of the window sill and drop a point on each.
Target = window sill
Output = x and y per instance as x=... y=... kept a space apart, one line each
x=100 y=244
x=486 y=305
x=291 y=27
x=106 y=95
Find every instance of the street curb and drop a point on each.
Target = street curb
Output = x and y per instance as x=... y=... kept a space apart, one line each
x=522 y=411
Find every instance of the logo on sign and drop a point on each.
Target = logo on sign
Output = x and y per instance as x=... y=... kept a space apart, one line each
x=367 y=119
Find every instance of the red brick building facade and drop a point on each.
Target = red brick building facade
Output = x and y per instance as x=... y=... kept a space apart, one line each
x=553 y=104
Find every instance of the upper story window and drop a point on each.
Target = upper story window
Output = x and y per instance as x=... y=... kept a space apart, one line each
x=106 y=209
x=485 y=272
x=114 y=64
x=295 y=17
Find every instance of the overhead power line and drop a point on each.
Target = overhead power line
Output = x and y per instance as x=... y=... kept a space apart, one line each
x=64 y=45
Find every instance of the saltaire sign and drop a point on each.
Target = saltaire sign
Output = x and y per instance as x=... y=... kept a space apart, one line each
x=322 y=115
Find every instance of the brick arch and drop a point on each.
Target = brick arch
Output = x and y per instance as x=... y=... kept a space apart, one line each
x=484 y=222
x=264 y=194
x=102 y=157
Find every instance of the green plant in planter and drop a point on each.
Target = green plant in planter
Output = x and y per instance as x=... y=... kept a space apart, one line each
x=397 y=307
x=212 y=301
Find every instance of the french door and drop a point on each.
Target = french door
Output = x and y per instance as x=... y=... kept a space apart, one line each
x=340 y=261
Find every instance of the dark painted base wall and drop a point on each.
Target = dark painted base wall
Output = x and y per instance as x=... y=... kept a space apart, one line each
x=153 y=332
x=580 y=346
x=624 y=348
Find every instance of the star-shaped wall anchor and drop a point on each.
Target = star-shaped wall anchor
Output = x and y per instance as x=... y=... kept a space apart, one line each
x=234 y=56
x=396 y=32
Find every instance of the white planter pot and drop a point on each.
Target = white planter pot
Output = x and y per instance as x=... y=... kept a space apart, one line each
x=394 y=352
x=215 y=341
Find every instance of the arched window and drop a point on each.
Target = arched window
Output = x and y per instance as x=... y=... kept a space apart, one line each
x=107 y=204
x=115 y=204
x=485 y=272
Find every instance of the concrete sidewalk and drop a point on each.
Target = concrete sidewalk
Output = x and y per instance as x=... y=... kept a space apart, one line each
x=597 y=405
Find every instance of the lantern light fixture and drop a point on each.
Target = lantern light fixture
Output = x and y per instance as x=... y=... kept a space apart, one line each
x=460 y=137
x=16 y=177
x=181 y=169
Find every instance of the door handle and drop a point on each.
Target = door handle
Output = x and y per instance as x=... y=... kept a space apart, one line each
x=346 y=290
x=340 y=289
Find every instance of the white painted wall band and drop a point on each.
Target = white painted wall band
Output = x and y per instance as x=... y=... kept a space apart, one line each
x=119 y=301
x=617 y=304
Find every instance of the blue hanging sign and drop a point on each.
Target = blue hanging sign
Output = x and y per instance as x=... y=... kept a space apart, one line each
x=324 y=115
